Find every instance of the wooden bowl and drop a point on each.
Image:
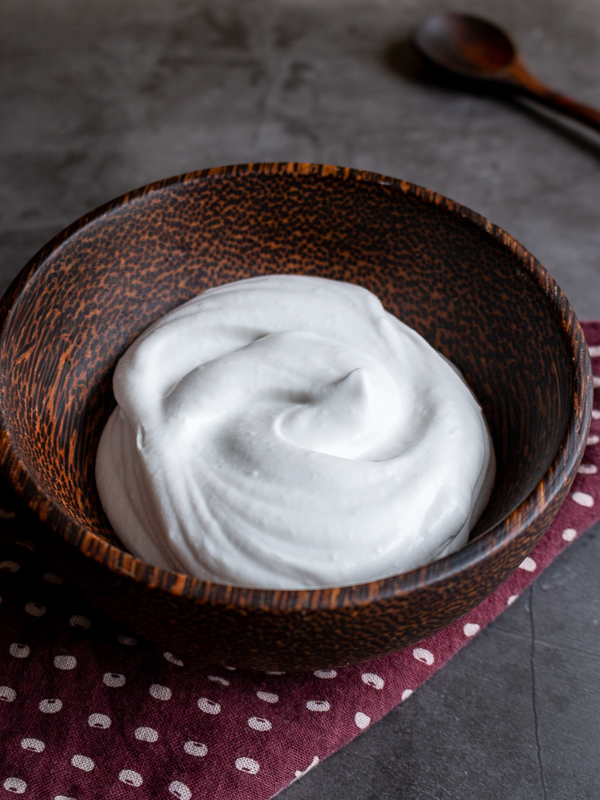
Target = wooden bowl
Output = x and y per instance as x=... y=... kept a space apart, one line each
x=472 y=291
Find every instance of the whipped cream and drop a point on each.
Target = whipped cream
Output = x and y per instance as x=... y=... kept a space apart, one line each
x=286 y=432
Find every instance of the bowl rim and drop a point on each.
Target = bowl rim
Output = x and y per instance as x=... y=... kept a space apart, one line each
x=562 y=469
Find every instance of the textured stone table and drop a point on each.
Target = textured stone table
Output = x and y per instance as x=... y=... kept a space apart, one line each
x=100 y=98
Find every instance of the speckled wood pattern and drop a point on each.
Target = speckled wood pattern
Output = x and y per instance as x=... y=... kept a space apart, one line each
x=468 y=287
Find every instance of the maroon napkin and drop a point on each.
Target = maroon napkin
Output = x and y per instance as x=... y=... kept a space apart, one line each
x=89 y=711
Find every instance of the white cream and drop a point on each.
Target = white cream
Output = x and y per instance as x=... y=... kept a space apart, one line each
x=287 y=432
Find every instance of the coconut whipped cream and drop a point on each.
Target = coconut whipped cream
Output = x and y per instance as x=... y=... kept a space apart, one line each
x=287 y=432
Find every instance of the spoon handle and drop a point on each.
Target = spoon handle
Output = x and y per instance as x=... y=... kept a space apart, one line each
x=529 y=85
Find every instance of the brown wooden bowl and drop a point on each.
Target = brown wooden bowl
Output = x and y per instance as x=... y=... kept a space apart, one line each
x=472 y=291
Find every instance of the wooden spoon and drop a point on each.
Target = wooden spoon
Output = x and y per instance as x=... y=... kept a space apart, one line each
x=469 y=47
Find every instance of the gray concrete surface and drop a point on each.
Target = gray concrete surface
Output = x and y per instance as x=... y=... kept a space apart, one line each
x=100 y=98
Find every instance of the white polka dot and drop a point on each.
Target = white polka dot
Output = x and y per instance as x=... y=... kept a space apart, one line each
x=6 y=514
x=511 y=599
x=195 y=748
x=209 y=706
x=232 y=669
x=248 y=765
x=588 y=469
x=50 y=706
x=65 y=662
x=35 y=609
x=146 y=734
x=326 y=674
x=528 y=564
x=130 y=778
x=594 y=350
x=569 y=534
x=407 y=693
x=7 y=694
x=77 y=621
x=33 y=745
x=19 y=650
x=361 y=720
x=83 y=762
x=423 y=655
x=318 y=705
x=218 y=679
x=268 y=697
x=127 y=640
x=10 y=566
x=99 y=721
x=15 y=785
x=49 y=577
x=114 y=679
x=160 y=692
x=596 y=381
x=274 y=672
x=471 y=628
x=172 y=660
x=180 y=790
x=596 y=413
x=63 y=797
x=299 y=773
x=583 y=499
x=372 y=680
x=259 y=724
x=592 y=440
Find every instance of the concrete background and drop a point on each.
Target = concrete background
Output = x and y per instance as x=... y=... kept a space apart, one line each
x=100 y=98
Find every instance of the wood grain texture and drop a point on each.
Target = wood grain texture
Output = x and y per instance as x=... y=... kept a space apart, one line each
x=469 y=288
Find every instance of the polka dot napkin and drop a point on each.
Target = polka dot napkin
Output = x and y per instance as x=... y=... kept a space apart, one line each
x=88 y=711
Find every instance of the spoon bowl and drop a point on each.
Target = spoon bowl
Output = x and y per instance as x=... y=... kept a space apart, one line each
x=466 y=45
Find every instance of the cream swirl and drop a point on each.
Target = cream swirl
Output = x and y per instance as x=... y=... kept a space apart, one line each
x=287 y=432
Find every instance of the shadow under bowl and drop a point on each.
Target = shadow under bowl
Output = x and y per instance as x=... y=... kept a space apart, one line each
x=465 y=285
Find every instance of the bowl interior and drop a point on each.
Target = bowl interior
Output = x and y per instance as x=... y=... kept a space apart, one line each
x=462 y=284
